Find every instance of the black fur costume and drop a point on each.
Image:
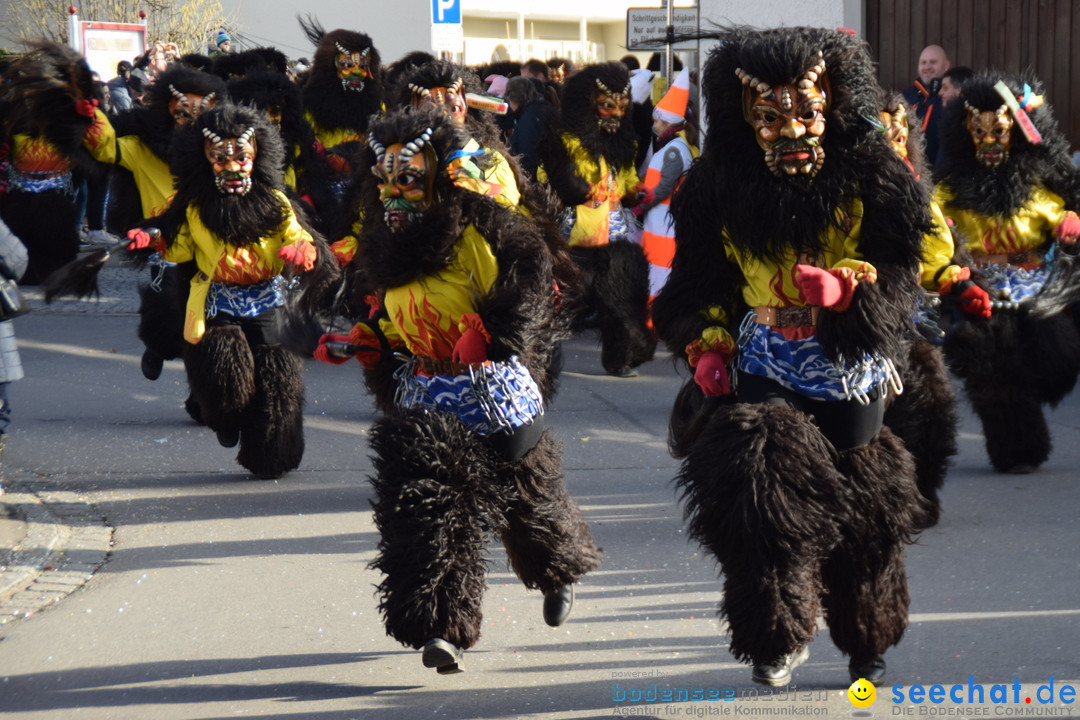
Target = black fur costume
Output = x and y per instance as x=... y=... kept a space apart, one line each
x=161 y=310
x=250 y=388
x=924 y=416
x=799 y=528
x=38 y=92
x=615 y=276
x=256 y=60
x=273 y=92
x=536 y=200
x=442 y=489
x=334 y=111
x=1025 y=356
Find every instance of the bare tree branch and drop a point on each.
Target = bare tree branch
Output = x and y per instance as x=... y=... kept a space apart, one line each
x=188 y=23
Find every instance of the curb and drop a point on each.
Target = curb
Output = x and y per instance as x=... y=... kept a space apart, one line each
x=66 y=542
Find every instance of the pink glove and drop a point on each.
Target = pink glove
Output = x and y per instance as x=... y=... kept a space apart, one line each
x=324 y=354
x=1068 y=230
x=711 y=374
x=299 y=256
x=471 y=347
x=142 y=239
x=819 y=286
x=85 y=107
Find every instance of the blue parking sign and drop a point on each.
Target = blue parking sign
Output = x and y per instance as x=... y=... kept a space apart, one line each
x=446 y=12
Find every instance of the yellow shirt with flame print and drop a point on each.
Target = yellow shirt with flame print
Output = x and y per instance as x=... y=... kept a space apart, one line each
x=426 y=314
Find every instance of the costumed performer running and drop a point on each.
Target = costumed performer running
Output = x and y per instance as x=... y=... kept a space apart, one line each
x=464 y=455
x=587 y=156
x=232 y=217
x=800 y=233
x=925 y=415
x=1007 y=182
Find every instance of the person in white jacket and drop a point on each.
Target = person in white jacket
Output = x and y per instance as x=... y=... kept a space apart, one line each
x=13 y=260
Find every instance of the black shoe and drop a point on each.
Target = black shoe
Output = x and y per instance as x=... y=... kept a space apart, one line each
x=623 y=372
x=778 y=672
x=557 y=605
x=873 y=671
x=445 y=657
x=151 y=364
x=228 y=437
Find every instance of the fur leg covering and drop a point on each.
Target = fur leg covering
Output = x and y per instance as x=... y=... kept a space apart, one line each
x=434 y=498
x=221 y=374
x=924 y=416
x=1013 y=423
x=866 y=601
x=761 y=492
x=161 y=312
x=545 y=534
x=618 y=274
x=1011 y=364
x=272 y=426
x=1052 y=353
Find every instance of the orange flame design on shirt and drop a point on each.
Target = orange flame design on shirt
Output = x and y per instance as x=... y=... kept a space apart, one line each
x=39 y=155
x=426 y=329
x=242 y=267
x=998 y=238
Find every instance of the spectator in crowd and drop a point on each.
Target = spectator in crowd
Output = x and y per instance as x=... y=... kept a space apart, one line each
x=13 y=262
x=223 y=44
x=535 y=69
x=531 y=112
x=924 y=95
x=952 y=81
x=119 y=92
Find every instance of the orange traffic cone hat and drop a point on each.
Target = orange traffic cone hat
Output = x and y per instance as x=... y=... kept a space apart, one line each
x=672 y=107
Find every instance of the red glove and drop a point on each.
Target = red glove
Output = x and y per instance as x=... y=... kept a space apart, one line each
x=324 y=353
x=819 y=286
x=973 y=299
x=471 y=347
x=142 y=239
x=711 y=374
x=85 y=107
x=367 y=335
x=299 y=256
x=648 y=196
x=1068 y=230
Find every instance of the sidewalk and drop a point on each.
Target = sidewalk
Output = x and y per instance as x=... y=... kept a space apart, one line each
x=56 y=540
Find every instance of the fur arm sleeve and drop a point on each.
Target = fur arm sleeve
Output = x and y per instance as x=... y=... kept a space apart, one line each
x=561 y=170
x=519 y=311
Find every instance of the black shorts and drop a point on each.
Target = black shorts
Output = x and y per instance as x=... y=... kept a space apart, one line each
x=846 y=423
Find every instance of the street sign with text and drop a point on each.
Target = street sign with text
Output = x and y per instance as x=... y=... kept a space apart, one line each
x=646 y=28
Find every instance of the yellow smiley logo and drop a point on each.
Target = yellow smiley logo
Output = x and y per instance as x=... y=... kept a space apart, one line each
x=861 y=693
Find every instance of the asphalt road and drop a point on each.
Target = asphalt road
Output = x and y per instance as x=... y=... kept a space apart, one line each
x=182 y=589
